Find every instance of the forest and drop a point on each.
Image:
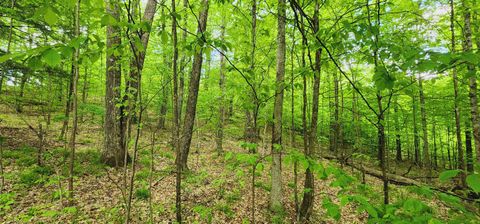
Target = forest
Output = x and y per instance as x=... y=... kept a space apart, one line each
x=239 y=111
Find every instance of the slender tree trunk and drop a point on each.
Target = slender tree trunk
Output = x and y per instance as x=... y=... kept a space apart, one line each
x=165 y=90
x=416 y=139
x=176 y=120
x=113 y=153
x=336 y=123
x=193 y=87
x=449 y=155
x=276 y=193
x=309 y=195
x=221 y=112
x=426 y=154
x=442 y=152
x=251 y=128
x=380 y=113
x=183 y=64
x=68 y=105
x=85 y=86
x=381 y=148
x=398 y=142
x=468 y=148
x=163 y=109
x=73 y=134
x=467 y=47
x=458 y=128
x=129 y=104
x=292 y=127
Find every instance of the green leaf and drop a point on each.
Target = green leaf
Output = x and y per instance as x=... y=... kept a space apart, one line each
x=382 y=79
x=447 y=175
x=108 y=19
x=333 y=210
x=51 y=57
x=228 y=156
x=164 y=37
x=50 y=17
x=473 y=181
x=414 y=206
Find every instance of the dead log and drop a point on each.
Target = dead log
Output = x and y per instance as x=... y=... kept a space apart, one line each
x=397 y=179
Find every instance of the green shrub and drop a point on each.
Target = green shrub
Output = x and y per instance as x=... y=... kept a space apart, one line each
x=6 y=201
x=142 y=193
x=35 y=175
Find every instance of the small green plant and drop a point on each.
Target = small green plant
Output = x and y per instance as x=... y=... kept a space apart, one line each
x=278 y=215
x=142 y=193
x=204 y=212
x=6 y=202
x=35 y=175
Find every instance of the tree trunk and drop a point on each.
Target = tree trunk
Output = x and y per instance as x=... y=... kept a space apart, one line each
x=193 y=87
x=85 y=86
x=68 y=106
x=292 y=126
x=398 y=143
x=23 y=82
x=468 y=148
x=381 y=148
x=163 y=109
x=176 y=120
x=380 y=113
x=251 y=128
x=309 y=195
x=221 y=112
x=458 y=128
x=129 y=104
x=165 y=82
x=467 y=47
x=73 y=133
x=113 y=152
x=336 y=123
x=183 y=64
x=416 y=139
x=426 y=154
x=276 y=194
x=449 y=155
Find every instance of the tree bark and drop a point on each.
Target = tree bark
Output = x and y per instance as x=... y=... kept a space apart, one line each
x=176 y=120
x=183 y=64
x=73 y=133
x=251 y=128
x=468 y=148
x=426 y=154
x=221 y=110
x=398 y=142
x=467 y=47
x=381 y=111
x=129 y=104
x=336 y=123
x=193 y=87
x=113 y=153
x=309 y=195
x=458 y=128
x=416 y=139
x=68 y=106
x=276 y=194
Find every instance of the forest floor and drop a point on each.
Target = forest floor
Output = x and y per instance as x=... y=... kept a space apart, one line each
x=211 y=191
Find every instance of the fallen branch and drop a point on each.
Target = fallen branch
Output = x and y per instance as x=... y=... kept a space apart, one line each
x=397 y=179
